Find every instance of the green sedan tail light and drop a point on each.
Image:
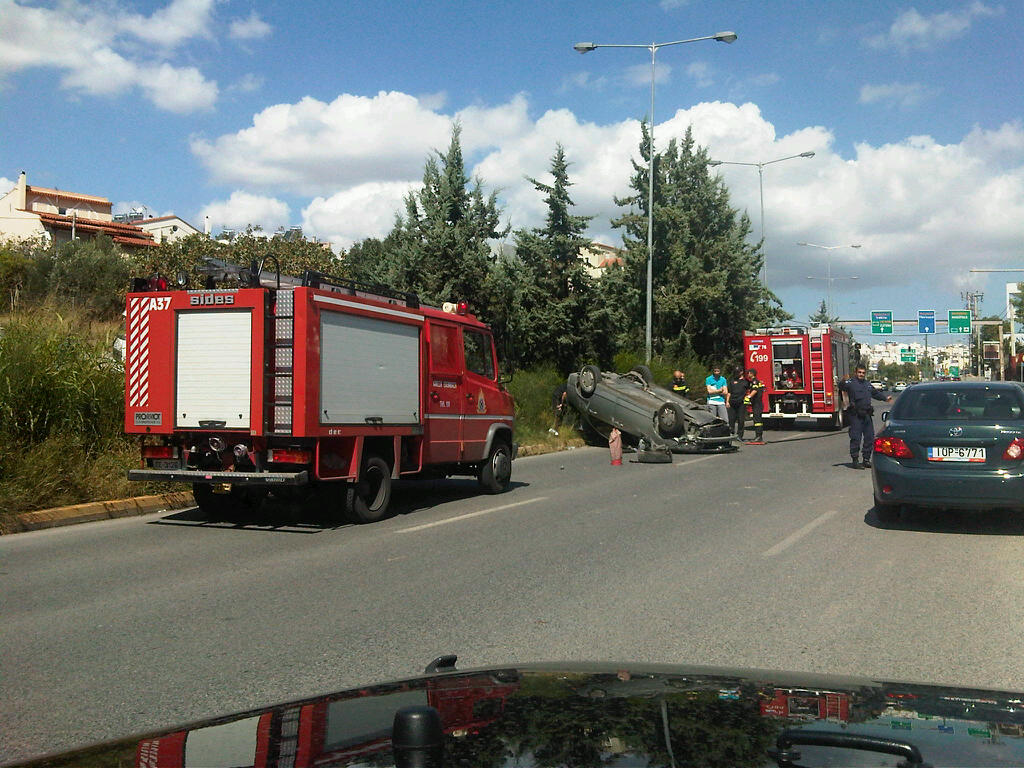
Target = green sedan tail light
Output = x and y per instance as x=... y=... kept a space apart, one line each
x=893 y=446
x=1015 y=450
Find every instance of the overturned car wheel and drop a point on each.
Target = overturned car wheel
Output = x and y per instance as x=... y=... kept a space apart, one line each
x=644 y=373
x=589 y=377
x=671 y=420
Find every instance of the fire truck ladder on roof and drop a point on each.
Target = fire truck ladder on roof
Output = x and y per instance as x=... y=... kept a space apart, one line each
x=817 y=370
x=280 y=326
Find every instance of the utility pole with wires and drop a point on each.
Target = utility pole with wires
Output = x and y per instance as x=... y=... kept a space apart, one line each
x=971 y=299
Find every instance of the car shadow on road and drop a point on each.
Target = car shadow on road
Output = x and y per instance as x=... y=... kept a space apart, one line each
x=1002 y=522
x=408 y=497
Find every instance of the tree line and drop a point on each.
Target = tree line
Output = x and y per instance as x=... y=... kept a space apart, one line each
x=538 y=296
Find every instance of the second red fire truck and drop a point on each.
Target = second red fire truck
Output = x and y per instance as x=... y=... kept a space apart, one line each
x=801 y=368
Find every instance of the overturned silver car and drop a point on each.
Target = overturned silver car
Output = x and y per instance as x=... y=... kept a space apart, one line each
x=650 y=417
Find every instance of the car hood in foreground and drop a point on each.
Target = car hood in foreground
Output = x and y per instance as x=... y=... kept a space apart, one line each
x=595 y=715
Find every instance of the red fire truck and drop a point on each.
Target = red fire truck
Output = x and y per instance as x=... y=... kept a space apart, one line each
x=801 y=369
x=312 y=387
x=347 y=729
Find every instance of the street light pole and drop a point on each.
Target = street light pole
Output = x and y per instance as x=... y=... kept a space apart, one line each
x=828 y=268
x=760 y=179
x=722 y=37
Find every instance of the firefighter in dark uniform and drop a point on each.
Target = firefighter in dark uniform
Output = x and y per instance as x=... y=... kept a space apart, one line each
x=860 y=393
x=679 y=385
x=755 y=401
x=736 y=403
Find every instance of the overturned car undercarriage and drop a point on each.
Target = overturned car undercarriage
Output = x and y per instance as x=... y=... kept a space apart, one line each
x=653 y=419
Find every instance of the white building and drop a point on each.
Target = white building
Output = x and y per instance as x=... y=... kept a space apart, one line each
x=59 y=216
x=166 y=229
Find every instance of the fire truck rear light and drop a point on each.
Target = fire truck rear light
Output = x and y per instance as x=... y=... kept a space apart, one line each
x=289 y=456
x=159 y=452
x=893 y=446
x=1015 y=450
x=886 y=489
x=462 y=308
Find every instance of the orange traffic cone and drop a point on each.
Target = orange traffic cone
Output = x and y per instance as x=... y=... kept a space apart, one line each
x=615 y=447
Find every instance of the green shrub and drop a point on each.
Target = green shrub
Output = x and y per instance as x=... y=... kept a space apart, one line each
x=54 y=379
x=532 y=390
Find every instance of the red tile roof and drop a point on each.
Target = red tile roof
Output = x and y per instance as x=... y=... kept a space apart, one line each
x=64 y=193
x=127 y=234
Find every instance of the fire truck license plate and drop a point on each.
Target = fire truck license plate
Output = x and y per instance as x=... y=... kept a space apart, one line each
x=949 y=453
x=166 y=464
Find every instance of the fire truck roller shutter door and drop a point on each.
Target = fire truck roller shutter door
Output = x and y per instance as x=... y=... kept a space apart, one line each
x=369 y=370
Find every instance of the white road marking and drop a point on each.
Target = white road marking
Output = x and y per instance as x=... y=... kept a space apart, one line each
x=470 y=514
x=694 y=461
x=793 y=538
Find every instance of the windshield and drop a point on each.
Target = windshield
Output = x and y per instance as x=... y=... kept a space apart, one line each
x=962 y=403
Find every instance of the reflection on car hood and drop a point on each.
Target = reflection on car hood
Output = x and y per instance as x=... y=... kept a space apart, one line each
x=596 y=715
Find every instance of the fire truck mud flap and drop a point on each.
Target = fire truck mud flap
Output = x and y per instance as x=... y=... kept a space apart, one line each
x=234 y=478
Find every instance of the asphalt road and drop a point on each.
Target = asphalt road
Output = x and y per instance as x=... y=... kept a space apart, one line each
x=770 y=557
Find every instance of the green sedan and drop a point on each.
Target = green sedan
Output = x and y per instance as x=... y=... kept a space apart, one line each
x=957 y=445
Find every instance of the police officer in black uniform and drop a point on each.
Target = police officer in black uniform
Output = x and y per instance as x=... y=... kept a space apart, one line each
x=862 y=428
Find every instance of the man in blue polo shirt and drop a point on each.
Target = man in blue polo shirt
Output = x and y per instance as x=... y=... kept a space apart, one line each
x=717 y=387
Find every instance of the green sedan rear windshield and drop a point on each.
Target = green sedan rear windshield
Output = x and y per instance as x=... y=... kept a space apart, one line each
x=970 y=404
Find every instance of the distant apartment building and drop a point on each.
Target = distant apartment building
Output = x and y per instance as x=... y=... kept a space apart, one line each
x=60 y=216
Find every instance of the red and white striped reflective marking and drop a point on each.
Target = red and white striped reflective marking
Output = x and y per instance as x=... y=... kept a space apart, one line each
x=138 y=352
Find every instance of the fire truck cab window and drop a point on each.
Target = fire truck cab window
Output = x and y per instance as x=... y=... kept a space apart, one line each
x=479 y=359
x=444 y=348
x=788 y=365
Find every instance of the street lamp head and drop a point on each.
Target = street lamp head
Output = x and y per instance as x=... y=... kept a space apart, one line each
x=806 y=154
x=725 y=37
x=584 y=47
x=855 y=246
x=713 y=163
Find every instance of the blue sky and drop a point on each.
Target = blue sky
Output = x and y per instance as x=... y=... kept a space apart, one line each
x=322 y=114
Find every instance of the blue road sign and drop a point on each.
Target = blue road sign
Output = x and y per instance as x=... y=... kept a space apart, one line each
x=926 y=321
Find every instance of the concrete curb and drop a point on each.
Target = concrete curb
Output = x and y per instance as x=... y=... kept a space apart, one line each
x=143 y=505
x=102 y=510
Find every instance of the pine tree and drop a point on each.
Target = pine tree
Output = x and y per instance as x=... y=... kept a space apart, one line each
x=441 y=243
x=555 y=299
x=822 y=315
x=705 y=273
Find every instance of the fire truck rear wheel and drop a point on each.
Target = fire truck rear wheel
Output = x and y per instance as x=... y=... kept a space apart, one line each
x=367 y=501
x=217 y=506
x=496 y=472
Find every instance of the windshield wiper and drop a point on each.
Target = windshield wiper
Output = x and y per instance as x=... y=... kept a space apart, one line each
x=785 y=755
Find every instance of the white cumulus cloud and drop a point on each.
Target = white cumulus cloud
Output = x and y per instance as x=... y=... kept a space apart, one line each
x=901 y=94
x=101 y=52
x=251 y=28
x=243 y=209
x=918 y=207
x=914 y=30
x=362 y=211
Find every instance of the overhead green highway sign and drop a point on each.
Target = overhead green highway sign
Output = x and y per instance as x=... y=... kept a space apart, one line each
x=881 y=321
x=959 y=321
